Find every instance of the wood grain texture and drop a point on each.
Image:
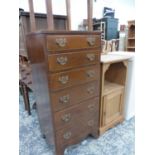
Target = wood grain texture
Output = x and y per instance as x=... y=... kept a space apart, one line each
x=72 y=42
x=76 y=114
x=69 y=91
x=58 y=62
x=75 y=95
x=32 y=18
x=73 y=77
x=68 y=10
x=60 y=23
x=90 y=14
x=112 y=94
x=49 y=11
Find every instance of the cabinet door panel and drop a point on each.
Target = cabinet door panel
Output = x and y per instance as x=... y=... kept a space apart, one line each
x=113 y=106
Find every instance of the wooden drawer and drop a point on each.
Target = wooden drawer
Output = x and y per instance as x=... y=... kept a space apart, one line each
x=77 y=113
x=74 y=95
x=74 y=77
x=70 y=42
x=78 y=130
x=70 y=60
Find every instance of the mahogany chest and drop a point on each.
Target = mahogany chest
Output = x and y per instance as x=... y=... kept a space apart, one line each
x=66 y=78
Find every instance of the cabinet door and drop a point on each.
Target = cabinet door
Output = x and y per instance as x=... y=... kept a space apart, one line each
x=112 y=107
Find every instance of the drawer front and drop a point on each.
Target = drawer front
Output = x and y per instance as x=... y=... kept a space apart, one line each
x=67 y=42
x=78 y=131
x=77 y=113
x=74 y=95
x=74 y=77
x=59 y=62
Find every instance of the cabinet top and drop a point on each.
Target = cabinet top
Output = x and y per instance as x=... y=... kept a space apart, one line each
x=116 y=57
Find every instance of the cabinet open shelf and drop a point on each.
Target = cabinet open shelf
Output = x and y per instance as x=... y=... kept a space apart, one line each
x=112 y=93
x=110 y=87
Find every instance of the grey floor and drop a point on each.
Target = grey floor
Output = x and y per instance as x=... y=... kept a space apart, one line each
x=116 y=141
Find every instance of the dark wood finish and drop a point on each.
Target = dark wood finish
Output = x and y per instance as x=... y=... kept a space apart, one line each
x=68 y=10
x=32 y=18
x=90 y=14
x=60 y=23
x=74 y=95
x=70 y=42
x=68 y=91
x=68 y=116
x=27 y=23
x=24 y=91
x=71 y=60
x=49 y=15
x=74 y=77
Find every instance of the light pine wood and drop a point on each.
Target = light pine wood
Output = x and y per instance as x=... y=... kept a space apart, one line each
x=111 y=124
x=90 y=14
x=68 y=9
x=32 y=18
x=112 y=94
x=49 y=15
x=110 y=87
x=117 y=73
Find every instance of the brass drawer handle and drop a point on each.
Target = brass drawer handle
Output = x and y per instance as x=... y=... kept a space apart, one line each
x=91 y=57
x=62 y=60
x=61 y=42
x=90 y=123
x=91 y=90
x=66 y=117
x=91 y=73
x=91 y=41
x=63 y=79
x=91 y=106
x=67 y=135
x=64 y=99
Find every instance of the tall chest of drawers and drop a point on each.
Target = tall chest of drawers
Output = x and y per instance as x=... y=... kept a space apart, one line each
x=66 y=77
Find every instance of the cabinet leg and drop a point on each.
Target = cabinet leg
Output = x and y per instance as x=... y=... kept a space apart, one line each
x=60 y=150
x=26 y=99
x=23 y=94
x=20 y=88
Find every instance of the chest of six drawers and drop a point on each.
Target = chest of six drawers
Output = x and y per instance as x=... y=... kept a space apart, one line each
x=74 y=73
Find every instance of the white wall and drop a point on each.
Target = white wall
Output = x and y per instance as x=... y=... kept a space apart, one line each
x=124 y=9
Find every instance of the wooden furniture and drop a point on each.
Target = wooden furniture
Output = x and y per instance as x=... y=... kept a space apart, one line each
x=25 y=82
x=114 y=72
x=131 y=36
x=66 y=80
x=60 y=23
